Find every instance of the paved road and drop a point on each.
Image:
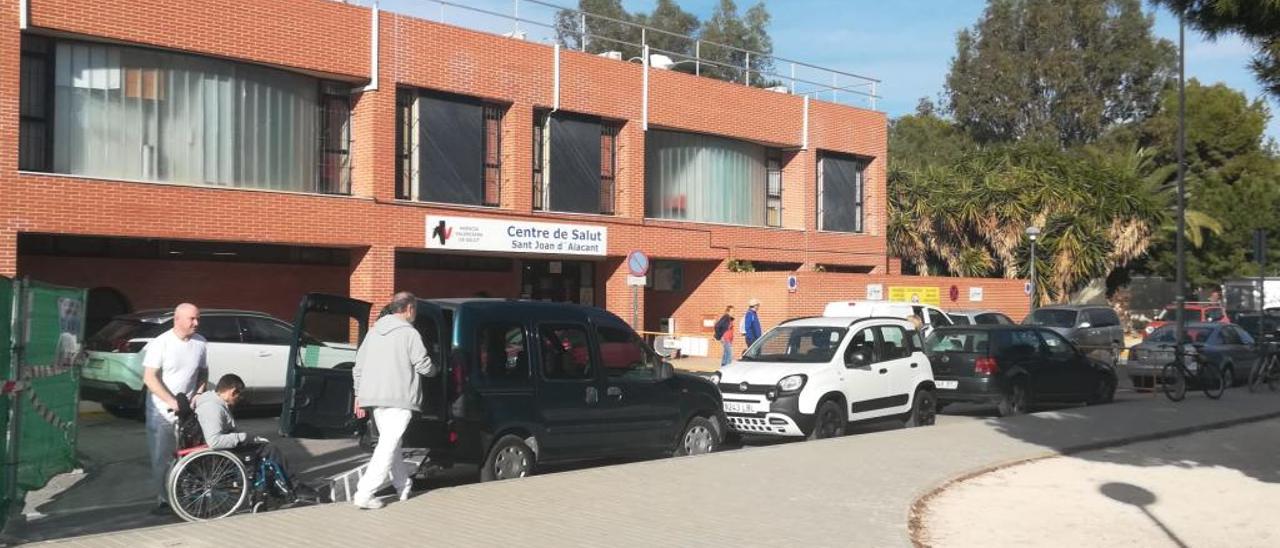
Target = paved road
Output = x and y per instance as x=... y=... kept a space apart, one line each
x=1214 y=488
x=854 y=490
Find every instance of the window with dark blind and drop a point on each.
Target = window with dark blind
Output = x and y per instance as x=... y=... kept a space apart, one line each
x=574 y=163
x=840 y=193
x=449 y=148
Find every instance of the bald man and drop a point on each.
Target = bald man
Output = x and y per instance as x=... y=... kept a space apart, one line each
x=173 y=363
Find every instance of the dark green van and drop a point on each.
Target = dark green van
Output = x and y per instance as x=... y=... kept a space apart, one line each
x=524 y=383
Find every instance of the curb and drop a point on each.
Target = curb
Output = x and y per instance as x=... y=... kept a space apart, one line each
x=915 y=516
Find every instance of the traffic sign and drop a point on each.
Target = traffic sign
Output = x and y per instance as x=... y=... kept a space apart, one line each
x=955 y=293
x=638 y=263
x=1026 y=288
x=792 y=283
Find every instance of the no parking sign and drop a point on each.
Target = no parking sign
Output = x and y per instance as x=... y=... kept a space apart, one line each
x=792 y=283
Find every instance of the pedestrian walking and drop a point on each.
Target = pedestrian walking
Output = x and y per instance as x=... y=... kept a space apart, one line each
x=724 y=334
x=174 y=363
x=385 y=377
x=751 y=323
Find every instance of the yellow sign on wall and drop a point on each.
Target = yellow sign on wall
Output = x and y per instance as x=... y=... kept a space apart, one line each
x=921 y=295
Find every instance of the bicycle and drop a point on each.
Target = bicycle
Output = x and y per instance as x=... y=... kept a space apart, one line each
x=1266 y=372
x=1208 y=376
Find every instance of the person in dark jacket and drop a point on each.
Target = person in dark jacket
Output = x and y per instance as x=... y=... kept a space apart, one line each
x=724 y=334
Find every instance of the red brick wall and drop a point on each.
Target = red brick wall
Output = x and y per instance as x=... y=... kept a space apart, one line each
x=272 y=288
x=326 y=37
x=432 y=284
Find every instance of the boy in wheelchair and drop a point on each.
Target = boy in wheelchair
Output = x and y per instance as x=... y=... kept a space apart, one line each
x=264 y=478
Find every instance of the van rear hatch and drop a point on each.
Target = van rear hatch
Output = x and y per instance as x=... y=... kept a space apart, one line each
x=955 y=353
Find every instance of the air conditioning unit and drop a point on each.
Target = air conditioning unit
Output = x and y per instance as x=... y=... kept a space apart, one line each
x=517 y=34
x=615 y=55
x=660 y=61
x=780 y=89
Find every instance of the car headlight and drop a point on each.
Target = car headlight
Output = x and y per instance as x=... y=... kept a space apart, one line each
x=1149 y=329
x=791 y=383
x=715 y=377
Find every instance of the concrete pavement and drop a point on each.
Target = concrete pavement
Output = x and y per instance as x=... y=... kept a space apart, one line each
x=1213 y=488
x=856 y=490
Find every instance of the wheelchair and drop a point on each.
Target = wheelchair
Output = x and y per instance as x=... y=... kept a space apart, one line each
x=205 y=484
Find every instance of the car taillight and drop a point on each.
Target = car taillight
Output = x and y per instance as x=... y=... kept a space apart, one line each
x=986 y=366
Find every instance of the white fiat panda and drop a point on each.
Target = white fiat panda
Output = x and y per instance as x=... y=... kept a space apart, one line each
x=811 y=377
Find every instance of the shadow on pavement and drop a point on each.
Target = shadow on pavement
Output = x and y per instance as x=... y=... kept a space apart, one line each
x=1131 y=494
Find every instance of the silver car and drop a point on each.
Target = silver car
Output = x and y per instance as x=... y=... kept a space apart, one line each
x=979 y=317
x=1230 y=348
x=1094 y=329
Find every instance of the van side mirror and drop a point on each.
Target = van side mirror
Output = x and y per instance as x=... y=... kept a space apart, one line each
x=665 y=370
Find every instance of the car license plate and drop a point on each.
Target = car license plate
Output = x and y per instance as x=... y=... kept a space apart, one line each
x=947 y=385
x=737 y=407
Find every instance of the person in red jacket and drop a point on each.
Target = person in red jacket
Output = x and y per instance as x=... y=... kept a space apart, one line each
x=724 y=334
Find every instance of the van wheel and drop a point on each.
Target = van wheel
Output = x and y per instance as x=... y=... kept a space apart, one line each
x=699 y=437
x=924 y=409
x=510 y=458
x=1017 y=401
x=830 y=421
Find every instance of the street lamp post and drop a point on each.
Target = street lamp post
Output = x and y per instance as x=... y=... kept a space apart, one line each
x=1033 y=233
x=1181 y=258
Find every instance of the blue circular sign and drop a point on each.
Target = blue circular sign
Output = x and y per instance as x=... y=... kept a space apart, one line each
x=792 y=283
x=638 y=263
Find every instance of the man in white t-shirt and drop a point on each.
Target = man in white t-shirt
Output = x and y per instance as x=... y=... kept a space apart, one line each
x=174 y=363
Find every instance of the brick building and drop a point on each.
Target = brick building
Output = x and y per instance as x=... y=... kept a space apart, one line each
x=240 y=154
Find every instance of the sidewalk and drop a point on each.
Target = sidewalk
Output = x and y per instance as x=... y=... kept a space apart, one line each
x=856 y=490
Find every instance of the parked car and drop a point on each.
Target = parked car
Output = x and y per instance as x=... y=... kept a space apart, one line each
x=1232 y=349
x=1261 y=327
x=525 y=383
x=1195 y=312
x=812 y=376
x=978 y=317
x=932 y=315
x=1014 y=367
x=253 y=345
x=1094 y=329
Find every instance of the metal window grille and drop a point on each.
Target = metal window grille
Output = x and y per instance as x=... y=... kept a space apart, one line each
x=35 y=135
x=773 y=192
x=539 y=122
x=492 y=154
x=608 y=167
x=405 y=127
x=335 y=145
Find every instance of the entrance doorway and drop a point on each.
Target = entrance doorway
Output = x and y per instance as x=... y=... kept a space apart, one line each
x=558 y=281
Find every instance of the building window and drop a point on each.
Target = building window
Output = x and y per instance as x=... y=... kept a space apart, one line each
x=335 y=141
x=703 y=178
x=840 y=192
x=141 y=114
x=449 y=148
x=574 y=163
x=36 y=108
x=773 y=191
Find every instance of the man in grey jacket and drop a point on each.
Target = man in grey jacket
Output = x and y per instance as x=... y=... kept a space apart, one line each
x=385 y=377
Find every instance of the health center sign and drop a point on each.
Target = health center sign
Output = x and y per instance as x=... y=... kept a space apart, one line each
x=474 y=234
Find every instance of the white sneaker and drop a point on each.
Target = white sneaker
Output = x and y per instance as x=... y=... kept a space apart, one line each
x=366 y=503
x=404 y=493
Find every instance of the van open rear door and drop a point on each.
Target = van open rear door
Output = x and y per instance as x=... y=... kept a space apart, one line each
x=318 y=396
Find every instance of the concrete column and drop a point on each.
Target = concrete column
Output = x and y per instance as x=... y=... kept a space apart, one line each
x=517 y=158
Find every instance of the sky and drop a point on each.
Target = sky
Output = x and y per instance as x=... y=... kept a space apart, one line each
x=907 y=45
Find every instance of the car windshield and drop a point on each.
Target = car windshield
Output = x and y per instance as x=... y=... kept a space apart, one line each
x=120 y=331
x=1169 y=334
x=1052 y=317
x=801 y=344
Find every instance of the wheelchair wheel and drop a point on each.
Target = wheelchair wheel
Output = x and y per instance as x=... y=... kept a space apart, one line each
x=207 y=485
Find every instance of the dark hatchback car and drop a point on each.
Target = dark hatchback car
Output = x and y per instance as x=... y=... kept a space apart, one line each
x=1228 y=346
x=1014 y=367
x=524 y=383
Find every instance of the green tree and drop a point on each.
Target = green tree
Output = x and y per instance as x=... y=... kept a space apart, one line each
x=967 y=218
x=609 y=27
x=924 y=139
x=1257 y=21
x=1232 y=178
x=1059 y=70
x=669 y=17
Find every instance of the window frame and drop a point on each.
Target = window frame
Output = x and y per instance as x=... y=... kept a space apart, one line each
x=772 y=196
x=245 y=322
x=650 y=356
x=859 y=199
x=883 y=343
x=45 y=58
x=235 y=321
x=478 y=372
x=328 y=99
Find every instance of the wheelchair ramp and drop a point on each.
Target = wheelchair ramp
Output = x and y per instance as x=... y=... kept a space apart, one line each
x=343 y=486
